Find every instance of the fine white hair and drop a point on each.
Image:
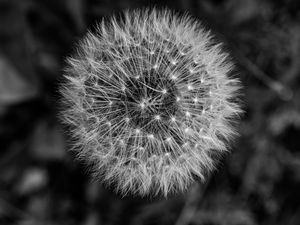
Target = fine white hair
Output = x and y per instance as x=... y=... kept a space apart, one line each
x=150 y=101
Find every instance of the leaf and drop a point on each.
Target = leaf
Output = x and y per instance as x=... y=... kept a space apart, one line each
x=14 y=88
x=32 y=180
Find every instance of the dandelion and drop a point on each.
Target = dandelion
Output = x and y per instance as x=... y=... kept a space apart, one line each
x=150 y=99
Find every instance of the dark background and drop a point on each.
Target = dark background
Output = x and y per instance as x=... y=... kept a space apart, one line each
x=42 y=183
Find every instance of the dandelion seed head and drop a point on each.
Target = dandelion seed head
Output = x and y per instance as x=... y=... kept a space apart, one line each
x=173 y=119
x=150 y=136
x=190 y=87
x=157 y=117
x=149 y=100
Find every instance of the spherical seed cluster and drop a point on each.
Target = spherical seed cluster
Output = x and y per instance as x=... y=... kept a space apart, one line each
x=149 y=100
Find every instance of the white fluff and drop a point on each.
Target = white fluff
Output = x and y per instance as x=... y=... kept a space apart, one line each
x=150 y=101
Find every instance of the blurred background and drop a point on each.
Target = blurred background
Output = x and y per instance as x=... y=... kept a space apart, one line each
x=42 y=183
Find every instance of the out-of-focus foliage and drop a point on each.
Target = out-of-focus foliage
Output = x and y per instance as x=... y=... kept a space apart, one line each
x=41 y=183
